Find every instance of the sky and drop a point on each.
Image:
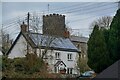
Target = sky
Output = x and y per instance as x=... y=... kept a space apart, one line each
x=79 y=14
x=59 y=0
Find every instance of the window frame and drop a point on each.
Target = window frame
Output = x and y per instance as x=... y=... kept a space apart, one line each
x=69 y=57
x=57 y=55
x=69 y=70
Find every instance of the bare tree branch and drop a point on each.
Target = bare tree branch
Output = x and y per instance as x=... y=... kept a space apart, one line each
x=103 y=22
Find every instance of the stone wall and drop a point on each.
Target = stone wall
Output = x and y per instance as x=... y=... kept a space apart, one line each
x=54 y=24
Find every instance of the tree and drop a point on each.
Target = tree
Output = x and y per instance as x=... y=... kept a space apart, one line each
x=82 y=64
x=103 y=22
x=1 y=40
x=35 y=22
x=98 y=57
x=114 y=38
x=49 y=40
x=6 y=43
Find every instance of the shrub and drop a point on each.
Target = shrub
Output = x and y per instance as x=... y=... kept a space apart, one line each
x=33 y=63
x=18 y=64
x=6 y=63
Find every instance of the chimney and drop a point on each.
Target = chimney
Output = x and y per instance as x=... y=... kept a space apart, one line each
x=66 y=33
x=23 y=27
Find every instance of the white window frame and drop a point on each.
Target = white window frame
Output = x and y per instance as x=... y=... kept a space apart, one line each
x=69 y=56
x=69 y=70
x=57 y=55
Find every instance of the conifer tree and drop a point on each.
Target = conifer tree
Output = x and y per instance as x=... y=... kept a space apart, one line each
x=114 y=38
x=97 y=52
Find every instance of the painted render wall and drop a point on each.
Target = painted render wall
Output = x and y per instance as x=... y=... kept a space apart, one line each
x=63 y=57
x=20 y=48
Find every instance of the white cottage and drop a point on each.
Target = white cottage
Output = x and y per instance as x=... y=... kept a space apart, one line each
x=61 y=54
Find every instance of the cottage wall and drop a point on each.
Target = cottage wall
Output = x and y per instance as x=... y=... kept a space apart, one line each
x=20 y=48
x=51 y=60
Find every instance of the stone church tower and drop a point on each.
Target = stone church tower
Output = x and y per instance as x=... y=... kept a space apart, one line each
x=54 y=24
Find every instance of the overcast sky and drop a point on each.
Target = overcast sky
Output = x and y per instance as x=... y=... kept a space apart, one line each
x=79 y=14
x=59 y=0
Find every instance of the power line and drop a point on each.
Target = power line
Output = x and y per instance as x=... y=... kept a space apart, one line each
x=10 y=25
x=71 y=7
x=13 y=19
x=88 y=9
x=91 y=8
x=60 y=8
x=84 y=18
x=97 y=11
x=73 y=11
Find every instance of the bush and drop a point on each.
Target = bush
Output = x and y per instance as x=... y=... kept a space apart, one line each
x=0 y=63
x=18 y=64
x=32 y=63
x=6 y=63
x=30 y=66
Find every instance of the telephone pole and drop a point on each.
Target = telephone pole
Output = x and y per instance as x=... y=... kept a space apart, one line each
x=28 y=18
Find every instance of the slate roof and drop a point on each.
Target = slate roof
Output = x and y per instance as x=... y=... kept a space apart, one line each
x=79 y=39
x=57 y=43
x=111 y=73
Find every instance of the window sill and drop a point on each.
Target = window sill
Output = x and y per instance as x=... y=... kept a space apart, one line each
x=58 y=59
x=70 y=60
